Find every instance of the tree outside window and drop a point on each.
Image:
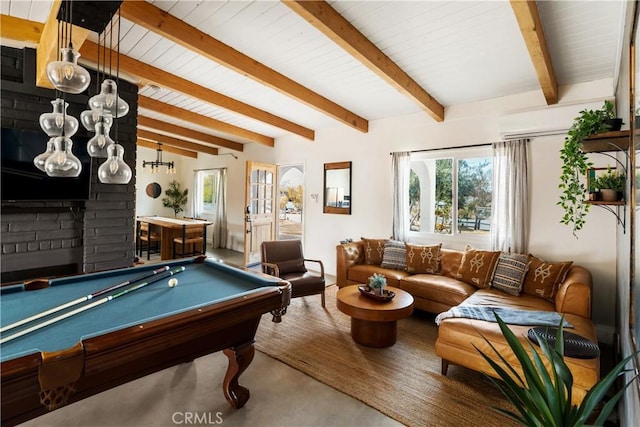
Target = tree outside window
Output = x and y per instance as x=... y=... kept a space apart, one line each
x=291 y=199
x=435 y=184
x=474 y=195
x=207 y=190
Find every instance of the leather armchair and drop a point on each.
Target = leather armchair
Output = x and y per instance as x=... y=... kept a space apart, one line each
x=285 y=259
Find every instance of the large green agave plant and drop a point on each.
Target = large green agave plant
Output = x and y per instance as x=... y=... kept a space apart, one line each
x=544 y=399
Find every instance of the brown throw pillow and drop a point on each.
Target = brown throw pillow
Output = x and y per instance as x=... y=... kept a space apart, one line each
x=477 y=267
x=423 y=259
x=543 y=277
x=373 y=250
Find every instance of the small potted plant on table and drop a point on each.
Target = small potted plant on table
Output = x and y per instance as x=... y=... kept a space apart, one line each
x=377 y=282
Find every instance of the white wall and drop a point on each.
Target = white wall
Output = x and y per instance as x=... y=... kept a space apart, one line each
x=145 y=205
x=372 y=183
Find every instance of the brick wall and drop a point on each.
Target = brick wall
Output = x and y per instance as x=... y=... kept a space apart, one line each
x=95 y=234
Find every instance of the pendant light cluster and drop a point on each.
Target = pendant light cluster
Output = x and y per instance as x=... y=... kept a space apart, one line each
x=155 y=164
x=69 y=77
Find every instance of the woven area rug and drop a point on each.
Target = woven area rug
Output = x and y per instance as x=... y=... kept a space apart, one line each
x=402 y=381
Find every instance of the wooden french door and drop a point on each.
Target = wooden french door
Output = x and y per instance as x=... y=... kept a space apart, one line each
x=260 y=209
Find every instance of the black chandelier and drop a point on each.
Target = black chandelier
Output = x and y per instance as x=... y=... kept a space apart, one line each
x=155 y=164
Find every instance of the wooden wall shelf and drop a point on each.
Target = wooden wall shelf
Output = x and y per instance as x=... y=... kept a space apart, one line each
x=599 y=202
x=608 y=141
x=614 y=208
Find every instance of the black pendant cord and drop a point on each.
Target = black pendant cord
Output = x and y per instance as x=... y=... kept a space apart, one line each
x=61 y=41
x=111 y=51
x=117 y=75
x=104 y=56
x=70 y=21
x=58 y=55
x=98 y=67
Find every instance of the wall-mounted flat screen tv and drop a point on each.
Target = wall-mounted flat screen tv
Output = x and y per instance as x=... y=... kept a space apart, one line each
x=21 y=180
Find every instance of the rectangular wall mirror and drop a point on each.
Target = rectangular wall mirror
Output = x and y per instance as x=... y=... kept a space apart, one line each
x=337 y=188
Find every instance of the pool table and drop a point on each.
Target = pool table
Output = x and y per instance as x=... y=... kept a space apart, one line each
x=215 y=306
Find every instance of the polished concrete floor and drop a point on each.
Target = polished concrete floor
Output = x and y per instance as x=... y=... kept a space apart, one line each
x=191 y=394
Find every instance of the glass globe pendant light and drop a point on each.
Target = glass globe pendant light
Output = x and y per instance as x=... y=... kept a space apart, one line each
x=58 y=122
x=39 y=160
x=97 y=146
x=66 y=75
x=114 y=170
x=108 y=100
x=89 y=119
x=62 y=162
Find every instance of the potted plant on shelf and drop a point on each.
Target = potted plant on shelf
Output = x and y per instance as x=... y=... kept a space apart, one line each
x=575 y=163
x=542 y=396
x=611 y=122
x=611 y=185
x=176 y=197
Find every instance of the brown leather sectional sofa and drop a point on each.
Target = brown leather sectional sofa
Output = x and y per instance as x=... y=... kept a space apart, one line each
x=457 y=337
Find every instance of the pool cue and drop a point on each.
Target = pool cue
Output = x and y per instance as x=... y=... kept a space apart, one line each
x=82 y=299
x=153 y=279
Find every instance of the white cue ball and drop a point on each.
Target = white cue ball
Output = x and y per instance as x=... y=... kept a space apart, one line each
x=173 y=282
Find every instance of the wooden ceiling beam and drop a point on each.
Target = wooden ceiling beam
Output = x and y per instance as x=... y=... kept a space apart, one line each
x=176 y=142
x=199 y=119
x=333 y=25
x=19 y=29
x=48 y=48
x=141 y=142
x=149 y=74
x=526 y=12
x=160 y=22
x=188 y=133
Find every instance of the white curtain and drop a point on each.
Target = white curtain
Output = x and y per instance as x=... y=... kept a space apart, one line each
x=220 y=220
x=510 y=200
x=401 y=169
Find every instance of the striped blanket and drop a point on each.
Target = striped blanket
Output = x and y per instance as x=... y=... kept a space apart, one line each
x=510 y=316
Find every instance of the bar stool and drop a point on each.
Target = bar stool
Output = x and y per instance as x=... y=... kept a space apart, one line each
x=147 y=234
x=193 y=237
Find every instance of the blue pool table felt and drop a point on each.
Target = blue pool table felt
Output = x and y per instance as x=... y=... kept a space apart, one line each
x=199 y=285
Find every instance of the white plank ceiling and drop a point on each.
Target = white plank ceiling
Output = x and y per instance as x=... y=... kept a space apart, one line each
x=457 y=51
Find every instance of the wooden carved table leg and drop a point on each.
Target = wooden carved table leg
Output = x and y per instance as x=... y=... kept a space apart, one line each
x=239 y=359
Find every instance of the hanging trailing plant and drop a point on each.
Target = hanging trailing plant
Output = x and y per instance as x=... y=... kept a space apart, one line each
x=575 y=164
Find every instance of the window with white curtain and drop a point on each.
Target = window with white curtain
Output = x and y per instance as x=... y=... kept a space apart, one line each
x=450 y=195
x=206 y=191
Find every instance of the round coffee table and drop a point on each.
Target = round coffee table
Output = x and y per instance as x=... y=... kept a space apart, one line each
x=374 y=323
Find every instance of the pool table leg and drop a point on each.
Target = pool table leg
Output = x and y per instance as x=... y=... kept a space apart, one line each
x=239 y=359
x=278 y=313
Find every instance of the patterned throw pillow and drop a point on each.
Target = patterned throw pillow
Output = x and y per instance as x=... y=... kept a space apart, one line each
x=423 y=259
x=543 y=278
x=373 y=250
x=395 y=255
x=477 y=267
x=510 y=272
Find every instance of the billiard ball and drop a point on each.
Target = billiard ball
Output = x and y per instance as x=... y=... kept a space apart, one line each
x=173 y=282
